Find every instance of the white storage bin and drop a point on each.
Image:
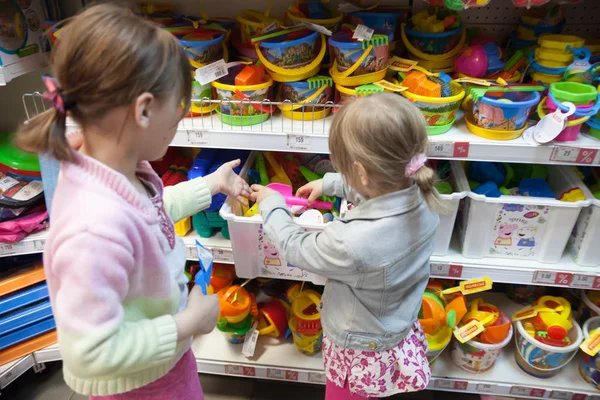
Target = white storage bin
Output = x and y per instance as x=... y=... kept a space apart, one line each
x=584 y=242
x=522 y=227
x=254 y=254
x=452 y=201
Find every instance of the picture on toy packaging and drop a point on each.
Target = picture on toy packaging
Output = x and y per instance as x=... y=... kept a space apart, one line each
x=292 y=56
x=13 y=28
x=590 y=369
x=271 y=254
x=518 y=229
x=374 y=62
x=296 y=95
x=32 y=20
x=489 y=116
x=474 y=359
x=207 y=56
x=239 y=108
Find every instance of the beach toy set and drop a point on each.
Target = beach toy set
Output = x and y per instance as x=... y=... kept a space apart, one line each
x=487 y=61
x=547 y=336
x=305 y=319
x=434 y=39
x=534 y=23
x=553 y=55
x=583 y=98
x=238 y=311
x=479 y=352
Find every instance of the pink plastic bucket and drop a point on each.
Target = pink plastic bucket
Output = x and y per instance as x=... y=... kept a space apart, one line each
x=570 y=133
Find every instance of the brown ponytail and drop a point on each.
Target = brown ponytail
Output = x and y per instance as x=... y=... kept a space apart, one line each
x=425 y=178
x=106 y=57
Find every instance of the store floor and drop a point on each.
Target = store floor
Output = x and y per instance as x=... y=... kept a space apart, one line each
x=49 y=385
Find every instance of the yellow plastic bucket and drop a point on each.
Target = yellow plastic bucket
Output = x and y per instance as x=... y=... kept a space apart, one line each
x=492 y=134
x=438 y=110
x=254 y=24
x=307 y=99
x=307 y=344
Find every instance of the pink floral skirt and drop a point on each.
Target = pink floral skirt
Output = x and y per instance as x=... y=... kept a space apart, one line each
x=401 y=369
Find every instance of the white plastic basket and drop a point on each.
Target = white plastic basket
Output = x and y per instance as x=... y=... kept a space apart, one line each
x=452 y=201
x=522 y=227
x=254 y=254
x=585 y=237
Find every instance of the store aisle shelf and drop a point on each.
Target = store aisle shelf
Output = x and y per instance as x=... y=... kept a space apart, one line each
x=12 y=370
x=217 y=244
x=282 y=134
x=30 y=245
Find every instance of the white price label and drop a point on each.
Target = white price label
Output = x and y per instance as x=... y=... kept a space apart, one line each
x=198 y=138
x=317 y=28
x=446 y=270
x=316 y=377
x=520 y=391
x=8 y=249
x=573 y=155
x=39 y=244
x=552 y=278
x=275 y=373
x=211 y=72
x=486 y=388
x=271 y=27
x=223 y=255
x=298 y=142
x=443 y=384
x=441 y=149
x=560 y=395
x=234 y=370
x=363 y=32
x=250 y=341
x=581 y=281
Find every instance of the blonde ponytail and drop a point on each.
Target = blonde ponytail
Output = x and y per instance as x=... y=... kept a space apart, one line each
x=45 y=133
x=425 y=178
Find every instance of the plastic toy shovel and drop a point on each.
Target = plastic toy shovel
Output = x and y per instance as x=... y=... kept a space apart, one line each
x=291 y=200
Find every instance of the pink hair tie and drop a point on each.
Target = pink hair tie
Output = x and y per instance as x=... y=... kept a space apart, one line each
x=415 y=164
x=55 y=96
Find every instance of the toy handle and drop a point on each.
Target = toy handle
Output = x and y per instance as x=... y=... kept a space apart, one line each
x=335 y=72
x=312 y=97
x=266 y=330
x=433 y=57
x=297 y=71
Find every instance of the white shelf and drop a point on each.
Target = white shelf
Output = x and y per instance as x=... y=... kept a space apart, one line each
x=29 y=64
x=280 y=134
x=12 y=370
x=220 y=247
x=30 y=245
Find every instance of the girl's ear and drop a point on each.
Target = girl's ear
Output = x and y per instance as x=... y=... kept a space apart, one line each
x=143 y=109
x=361 y=172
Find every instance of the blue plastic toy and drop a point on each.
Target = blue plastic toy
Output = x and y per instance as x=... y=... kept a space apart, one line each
x=486 y=171
x=535 y=187
x=488 y=189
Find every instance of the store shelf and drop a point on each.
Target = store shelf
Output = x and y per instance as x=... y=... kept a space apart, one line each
x=30 y=245
x=220 y=247
x=12 y=370
x=23 y=66
x=48 y=354
x=282 y=134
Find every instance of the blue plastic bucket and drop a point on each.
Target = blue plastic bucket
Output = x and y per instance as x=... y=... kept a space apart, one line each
x=433 y=42
x=386 y=21
x=294 y=53
x=347 y=52
x=204 y=51
x=509 y=112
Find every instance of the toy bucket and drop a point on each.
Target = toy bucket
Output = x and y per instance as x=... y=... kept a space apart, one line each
x=308 y=96
x=525 y=294
x=589 y=308
x=437 y=342
x=381 y=19
x=254 y=24
x=204 y=93
x=272 y=318
x=438 y=110
x=506 y=112
x=201 y=51
x=326 y=17
x=305 y=312
x=492 y=134
x=574 y=123
x=476 y=357
x=447 y=44
x=225 y=90
x=594 y=127
x=574 y=92
x=589 y=366
x=292 y=60
x=235 y=333
x=540 y=360
x=358 y=63
x=307 y=344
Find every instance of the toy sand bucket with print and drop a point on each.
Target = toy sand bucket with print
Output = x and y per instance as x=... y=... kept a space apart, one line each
x=433 y=45
x=307 y=344
x=235 y=333
x=242 y=105
x=542 y=360
x=306 y=96
x=204 y=93
x=589 y=366
x=439 y=112
x=204 y=47
x=382 y=19
x=504 y=111
x=437 y=343
x=314 y=12
x=293 y=56
x=306 y=313
x=358 y=63
x=254 y=24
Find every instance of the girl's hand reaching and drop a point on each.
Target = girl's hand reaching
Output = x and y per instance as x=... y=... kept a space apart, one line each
x=312 y=191
x=200 y=315
x=259 y=193
x=225 y=180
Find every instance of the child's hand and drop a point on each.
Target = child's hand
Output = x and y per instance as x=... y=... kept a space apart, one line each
x=260 y=193
x=225 y=180
x=312 y=190
x=200 y=315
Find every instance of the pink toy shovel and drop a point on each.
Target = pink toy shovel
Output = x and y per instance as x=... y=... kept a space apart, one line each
x=291 y=200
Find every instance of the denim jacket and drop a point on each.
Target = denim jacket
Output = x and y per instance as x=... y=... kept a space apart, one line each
x=375 y=259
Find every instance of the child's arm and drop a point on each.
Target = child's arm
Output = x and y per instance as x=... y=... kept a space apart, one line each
x=91 y=272
x=332 y=184
x=191 y=197
x=323 y=253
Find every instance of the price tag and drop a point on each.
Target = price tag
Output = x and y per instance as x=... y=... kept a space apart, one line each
x=441 y=149
x=461 y=385
x=443 y=384
x=446 y=270
x=275 y=373
x=271 y=27
x=291 y=375
x=234 y=370
x=461 y=150
x=38 y=245
x=250 y=341
x=346 y=7
x=8 y=249
x=298 y=142
x=559 y=394
x=573 y=155
x=318 y=28
x=468 y=331
x=211 y=72
x=198 y=138
x=223 y=255
x=363 y=32
x=537 y=392
x=552 y=278
x=191 y=253
x=315 y=377
x=591 y=345
x=581 y=281
x=486 y=388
